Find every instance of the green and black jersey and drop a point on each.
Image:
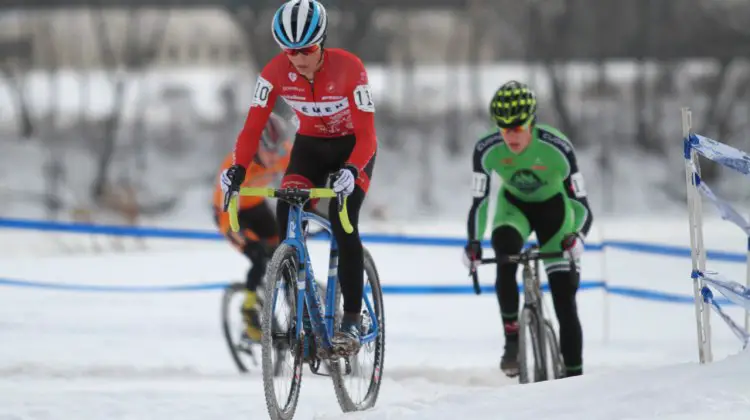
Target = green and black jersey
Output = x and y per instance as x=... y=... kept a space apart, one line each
x=546 y=168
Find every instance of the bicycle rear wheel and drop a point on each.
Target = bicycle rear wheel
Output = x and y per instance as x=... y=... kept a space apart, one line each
x=279 y=340
x=530 y=350
x=232 y=329
x=364 y=371
x=242 y=352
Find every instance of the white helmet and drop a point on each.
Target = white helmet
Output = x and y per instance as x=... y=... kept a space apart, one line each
x=299 y=24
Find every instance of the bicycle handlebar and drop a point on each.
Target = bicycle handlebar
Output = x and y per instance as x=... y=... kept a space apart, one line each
x=289 y=194
x=523 y=257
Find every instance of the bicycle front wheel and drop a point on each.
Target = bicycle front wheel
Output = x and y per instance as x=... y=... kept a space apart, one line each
x=357 y=379
x=530 y=349
x=554 y=363
x=282 y=351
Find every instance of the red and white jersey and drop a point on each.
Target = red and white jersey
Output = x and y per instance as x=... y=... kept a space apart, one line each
x=336 y=103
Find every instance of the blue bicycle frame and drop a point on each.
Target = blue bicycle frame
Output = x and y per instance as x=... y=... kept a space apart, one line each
x=307 y=287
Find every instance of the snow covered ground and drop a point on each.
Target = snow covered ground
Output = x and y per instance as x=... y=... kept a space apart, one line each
x=92 y=355
x=683 y=391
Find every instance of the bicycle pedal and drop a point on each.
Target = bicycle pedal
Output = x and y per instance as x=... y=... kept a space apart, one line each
x=315 y=367
x=347 y=370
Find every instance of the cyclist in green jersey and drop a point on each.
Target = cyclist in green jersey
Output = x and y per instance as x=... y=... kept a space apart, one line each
x=542 y=191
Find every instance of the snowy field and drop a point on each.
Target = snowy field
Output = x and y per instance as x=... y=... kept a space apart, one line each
x=95 y=355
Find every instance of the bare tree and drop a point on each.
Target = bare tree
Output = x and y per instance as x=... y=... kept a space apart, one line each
x=355 y=24
x=53 y=170
x=733 y=78
x=731 y=14
x=253 y=20
x=550 y=23
x=452 y=121
x=142 y=44
x=15 y=62
x=728 y=85
x=642 y=106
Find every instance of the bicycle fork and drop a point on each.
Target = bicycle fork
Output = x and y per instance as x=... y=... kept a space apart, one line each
x=531 y=285
x=533 y=301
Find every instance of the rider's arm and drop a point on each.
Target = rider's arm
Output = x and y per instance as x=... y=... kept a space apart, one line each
x=264 y=99
x=480 y=189
x=576 y=189
x=363 y=117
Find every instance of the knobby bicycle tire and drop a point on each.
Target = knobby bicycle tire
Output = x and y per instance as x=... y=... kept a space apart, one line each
x=274 y=272
x=373 y=390
x=528 y=322
x=229 y=291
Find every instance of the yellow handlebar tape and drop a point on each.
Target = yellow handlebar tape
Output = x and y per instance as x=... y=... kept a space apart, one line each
x=270 y=192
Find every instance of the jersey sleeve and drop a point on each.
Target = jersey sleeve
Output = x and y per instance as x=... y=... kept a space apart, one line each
x=576 y=189
x=264 y=98
x=480 y=190
x=363 y=117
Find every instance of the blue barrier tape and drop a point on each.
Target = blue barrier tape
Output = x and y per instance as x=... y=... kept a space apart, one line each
x=459 y=289
x=674 y=251
x=164 y=233
x=643 y=294
x=107 y=288
x=650 y=295
x=113 y=230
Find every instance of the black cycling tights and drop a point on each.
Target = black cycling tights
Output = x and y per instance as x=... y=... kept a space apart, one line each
x=563 y=287
x=312 y=160
x=350 y=262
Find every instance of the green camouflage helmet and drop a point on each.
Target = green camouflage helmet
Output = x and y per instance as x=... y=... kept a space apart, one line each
x=513 y=104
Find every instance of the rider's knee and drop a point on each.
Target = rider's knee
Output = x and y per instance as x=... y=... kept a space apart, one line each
x=257 y=252
x=506 y=240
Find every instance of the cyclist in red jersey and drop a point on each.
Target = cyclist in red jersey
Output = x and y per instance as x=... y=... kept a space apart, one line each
x=329 y=91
